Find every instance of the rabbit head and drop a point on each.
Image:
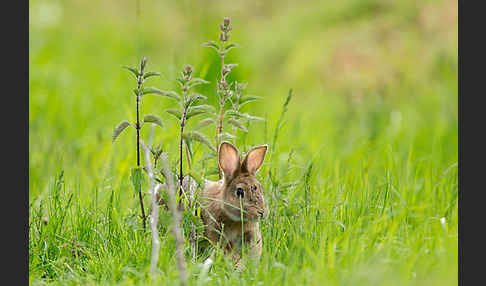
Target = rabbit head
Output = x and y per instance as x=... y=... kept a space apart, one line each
x=240 y=182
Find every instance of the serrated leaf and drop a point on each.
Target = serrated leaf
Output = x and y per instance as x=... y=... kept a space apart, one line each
x=241 y=86
x=194 y=113
x=119 y=129
x=248 y=98
x=193 y=97
x=226 y=135
x=246 y=116
x=199 y=137
x=175 y=113
x=230 y=66
x=202 y=107
x=133 y=70
x=136 y=177
x=155 y=91
x=212 y=44
x=205 y=122
x=152 y=119
x=197 y=81
x=150 y=74
x=230 y=46
x=237 y=124
x=199 y=109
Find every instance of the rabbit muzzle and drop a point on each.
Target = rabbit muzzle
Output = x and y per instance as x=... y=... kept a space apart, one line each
x=262 y=213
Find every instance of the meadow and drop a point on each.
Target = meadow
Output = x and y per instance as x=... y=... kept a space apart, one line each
x=361 y=182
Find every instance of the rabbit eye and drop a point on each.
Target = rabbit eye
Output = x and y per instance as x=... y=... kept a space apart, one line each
x=240 y=193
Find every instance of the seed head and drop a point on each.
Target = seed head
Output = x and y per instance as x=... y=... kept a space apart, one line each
x=143 y=63
x=225 y=29
x=187 y=72
x=226 y=21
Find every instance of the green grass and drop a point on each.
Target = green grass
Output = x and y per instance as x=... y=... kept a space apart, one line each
x=369 y=195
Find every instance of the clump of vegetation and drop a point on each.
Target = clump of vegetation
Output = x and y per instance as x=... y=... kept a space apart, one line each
x=140 y=76
x=228 y=92
x=360 y=178
x=189 y=104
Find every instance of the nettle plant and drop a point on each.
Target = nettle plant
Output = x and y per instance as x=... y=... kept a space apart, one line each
x=228 y=92
x=189 y=105
x=140 y=76
x=226 y=117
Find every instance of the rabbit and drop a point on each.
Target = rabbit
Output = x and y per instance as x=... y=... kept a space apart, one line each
x=221 y=203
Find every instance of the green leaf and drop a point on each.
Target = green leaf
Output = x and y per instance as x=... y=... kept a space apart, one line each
x=150 y=74
x=249 y=98
x=152 y=119
x=175 y=113
x=136 y=177
x=212 y=44
x=188 y=143
x=180 y=81
x=231 y=46
x=119 y=129
x=199 y=109
x=231 y=66
x=226 y=136
x=197 y=177
x=194 y=113
x=205 y=122
x=206 y=107
x=241 y=86
x=237 y=124
x=133 y=70
x=155 y=91
x=194 y=97
x=199 y=137
x=246 y=116
x=210 y=156
x=197 y=81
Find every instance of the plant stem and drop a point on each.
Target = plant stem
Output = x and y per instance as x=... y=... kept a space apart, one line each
x=138 y=129
x=176 y=223
x=139 y=95
x=183 y=122
x=180 y=157
x=219 y=129
x=154 y=214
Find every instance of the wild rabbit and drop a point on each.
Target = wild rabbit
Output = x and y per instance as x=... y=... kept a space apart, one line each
x=221 y=203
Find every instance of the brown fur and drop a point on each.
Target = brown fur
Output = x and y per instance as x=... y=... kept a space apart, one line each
x=221 y=203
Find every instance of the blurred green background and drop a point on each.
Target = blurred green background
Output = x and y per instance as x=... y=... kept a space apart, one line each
x=357 y=68
x=372 y=79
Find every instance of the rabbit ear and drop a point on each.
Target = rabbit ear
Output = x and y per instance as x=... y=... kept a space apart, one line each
x=254 y=159
x=229 y=159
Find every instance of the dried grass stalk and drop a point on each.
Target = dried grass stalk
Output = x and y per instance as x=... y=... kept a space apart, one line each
x=176 y=216
x=154 y=214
